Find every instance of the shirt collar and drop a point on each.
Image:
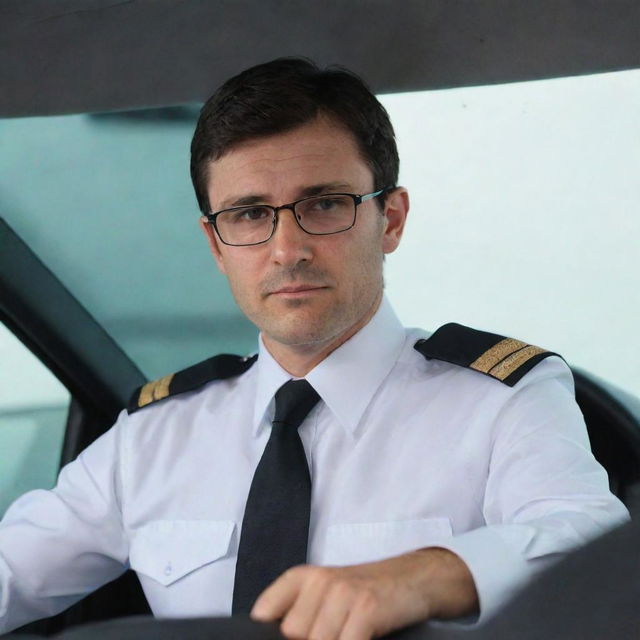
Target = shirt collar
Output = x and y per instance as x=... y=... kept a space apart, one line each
x=347 y=378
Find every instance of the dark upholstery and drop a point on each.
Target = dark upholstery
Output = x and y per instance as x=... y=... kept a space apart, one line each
x=613 y=423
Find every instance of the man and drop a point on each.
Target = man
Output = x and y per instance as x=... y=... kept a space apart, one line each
x=410 y=487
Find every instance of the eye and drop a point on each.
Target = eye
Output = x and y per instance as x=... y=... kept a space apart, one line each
x=326 y=204
x=251 y=214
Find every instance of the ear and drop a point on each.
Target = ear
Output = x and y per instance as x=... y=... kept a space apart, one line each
x=213 y=241
x=396 y=208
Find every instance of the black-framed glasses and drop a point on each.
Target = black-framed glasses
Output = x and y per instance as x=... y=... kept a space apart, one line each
x=321 y=215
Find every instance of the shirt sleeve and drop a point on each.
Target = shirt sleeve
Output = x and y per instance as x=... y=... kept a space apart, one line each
x=56 y=546
x=545 y=493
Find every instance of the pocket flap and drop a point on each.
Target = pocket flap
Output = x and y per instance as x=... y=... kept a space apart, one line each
x=355 y=543
x=167 y=550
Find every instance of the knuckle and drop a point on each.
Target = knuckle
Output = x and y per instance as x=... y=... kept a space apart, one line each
x=295 y=572
x=341 y=589
x=366 y=602
x=319 y=575
x=290 y=573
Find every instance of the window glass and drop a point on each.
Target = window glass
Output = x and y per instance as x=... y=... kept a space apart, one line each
x=33 y=412
x=523 y=221
x=524 y=217
x=106 y=202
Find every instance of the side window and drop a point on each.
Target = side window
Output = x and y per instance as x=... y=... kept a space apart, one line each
x=33 y=412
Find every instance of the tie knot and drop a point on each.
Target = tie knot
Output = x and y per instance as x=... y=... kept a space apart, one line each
x=294 y=400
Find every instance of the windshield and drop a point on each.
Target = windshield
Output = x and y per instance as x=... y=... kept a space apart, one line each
x=522 y=221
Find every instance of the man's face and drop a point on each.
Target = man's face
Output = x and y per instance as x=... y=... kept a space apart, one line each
x=300 y=289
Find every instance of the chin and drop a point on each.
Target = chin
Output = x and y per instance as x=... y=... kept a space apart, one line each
x=300 y=338
x=299 y=331
x=301 y=325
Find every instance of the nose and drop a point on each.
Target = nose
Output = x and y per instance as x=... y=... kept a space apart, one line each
x=289 y=243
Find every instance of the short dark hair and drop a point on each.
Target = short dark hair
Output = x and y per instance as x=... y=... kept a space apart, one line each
x=284 y=94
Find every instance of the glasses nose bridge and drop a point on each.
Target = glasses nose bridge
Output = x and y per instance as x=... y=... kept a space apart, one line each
x=292 y=207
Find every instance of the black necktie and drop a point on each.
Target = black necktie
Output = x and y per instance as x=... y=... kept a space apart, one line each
x=275 y=528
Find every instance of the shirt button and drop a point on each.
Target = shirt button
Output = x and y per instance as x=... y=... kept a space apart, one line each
x=168 y=569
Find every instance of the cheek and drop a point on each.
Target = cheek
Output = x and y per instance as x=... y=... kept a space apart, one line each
x=243 y=276
x=220 y=263
x=361 y=265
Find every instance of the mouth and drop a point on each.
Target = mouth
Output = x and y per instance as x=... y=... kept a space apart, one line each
x=299 y=290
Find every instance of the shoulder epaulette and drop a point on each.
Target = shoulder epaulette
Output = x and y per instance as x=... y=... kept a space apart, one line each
x=216 y=368
x=504 y=359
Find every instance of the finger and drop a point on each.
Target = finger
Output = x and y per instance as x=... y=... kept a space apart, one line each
x=361 y=622
x=301 y=617
x=279 y=596
x=333 y=612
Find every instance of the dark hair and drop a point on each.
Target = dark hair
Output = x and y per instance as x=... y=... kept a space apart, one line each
x=284 y=94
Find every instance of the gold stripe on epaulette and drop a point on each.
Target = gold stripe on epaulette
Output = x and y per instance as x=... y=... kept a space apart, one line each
x=146 y=394
x=496 y=354
x=162 y=387
x=505 y=368
x=155 y=390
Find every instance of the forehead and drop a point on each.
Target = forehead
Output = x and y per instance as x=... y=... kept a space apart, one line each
x=280 y=165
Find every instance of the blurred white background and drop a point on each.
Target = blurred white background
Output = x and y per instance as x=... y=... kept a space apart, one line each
x=524 y=217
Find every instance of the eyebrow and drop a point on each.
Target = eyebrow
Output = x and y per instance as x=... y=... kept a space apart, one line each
x=313 y=190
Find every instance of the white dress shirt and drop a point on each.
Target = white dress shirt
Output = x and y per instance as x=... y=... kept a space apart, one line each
x=404 y=453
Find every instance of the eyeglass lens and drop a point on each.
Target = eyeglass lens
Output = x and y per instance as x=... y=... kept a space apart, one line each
x=253 y=224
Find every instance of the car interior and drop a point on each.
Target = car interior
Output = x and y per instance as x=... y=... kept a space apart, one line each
x=104 y=279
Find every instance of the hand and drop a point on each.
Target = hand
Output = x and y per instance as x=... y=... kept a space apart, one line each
x=368 y=600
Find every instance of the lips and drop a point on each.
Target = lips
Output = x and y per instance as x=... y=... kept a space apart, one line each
x=298 y=288
x=297 y=291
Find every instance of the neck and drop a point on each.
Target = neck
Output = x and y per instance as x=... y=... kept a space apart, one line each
x=299 y=359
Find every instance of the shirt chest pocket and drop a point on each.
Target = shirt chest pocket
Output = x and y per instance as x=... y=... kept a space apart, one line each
x=355 y=543
x=167 y=550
